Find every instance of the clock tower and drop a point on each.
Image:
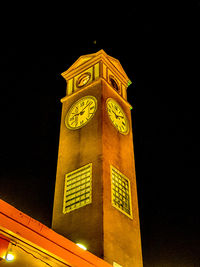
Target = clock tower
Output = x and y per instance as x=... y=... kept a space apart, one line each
x=95 y=200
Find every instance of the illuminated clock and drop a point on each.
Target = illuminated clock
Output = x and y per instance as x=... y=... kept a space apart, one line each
x=117 y=116
x=81 y=112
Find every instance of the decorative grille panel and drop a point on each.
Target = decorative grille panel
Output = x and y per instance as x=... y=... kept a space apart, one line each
x=78 y=188
x=121 y=193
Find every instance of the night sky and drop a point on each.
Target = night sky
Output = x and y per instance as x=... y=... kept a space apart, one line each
x=158 y=48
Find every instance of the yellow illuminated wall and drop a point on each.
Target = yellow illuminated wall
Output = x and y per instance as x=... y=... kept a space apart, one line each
x=95 y=201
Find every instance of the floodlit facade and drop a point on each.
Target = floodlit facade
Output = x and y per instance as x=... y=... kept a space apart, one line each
x=95 y=200
x=95 y=215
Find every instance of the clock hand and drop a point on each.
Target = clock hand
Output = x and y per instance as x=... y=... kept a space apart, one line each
x=120 y=116
x=76 y=114
x=82 y=111
x=86 y=106
x=115 y=114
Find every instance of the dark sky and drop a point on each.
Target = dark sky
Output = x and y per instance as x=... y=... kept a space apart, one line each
x=158 y=48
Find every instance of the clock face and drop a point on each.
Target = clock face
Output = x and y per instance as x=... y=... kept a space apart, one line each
x=117 y=116
x=81 y=112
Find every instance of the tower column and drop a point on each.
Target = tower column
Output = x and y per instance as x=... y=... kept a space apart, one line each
x=95 y=200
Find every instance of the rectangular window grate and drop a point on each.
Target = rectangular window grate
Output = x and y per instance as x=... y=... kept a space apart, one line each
x=78 y=188
x=121 y=193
